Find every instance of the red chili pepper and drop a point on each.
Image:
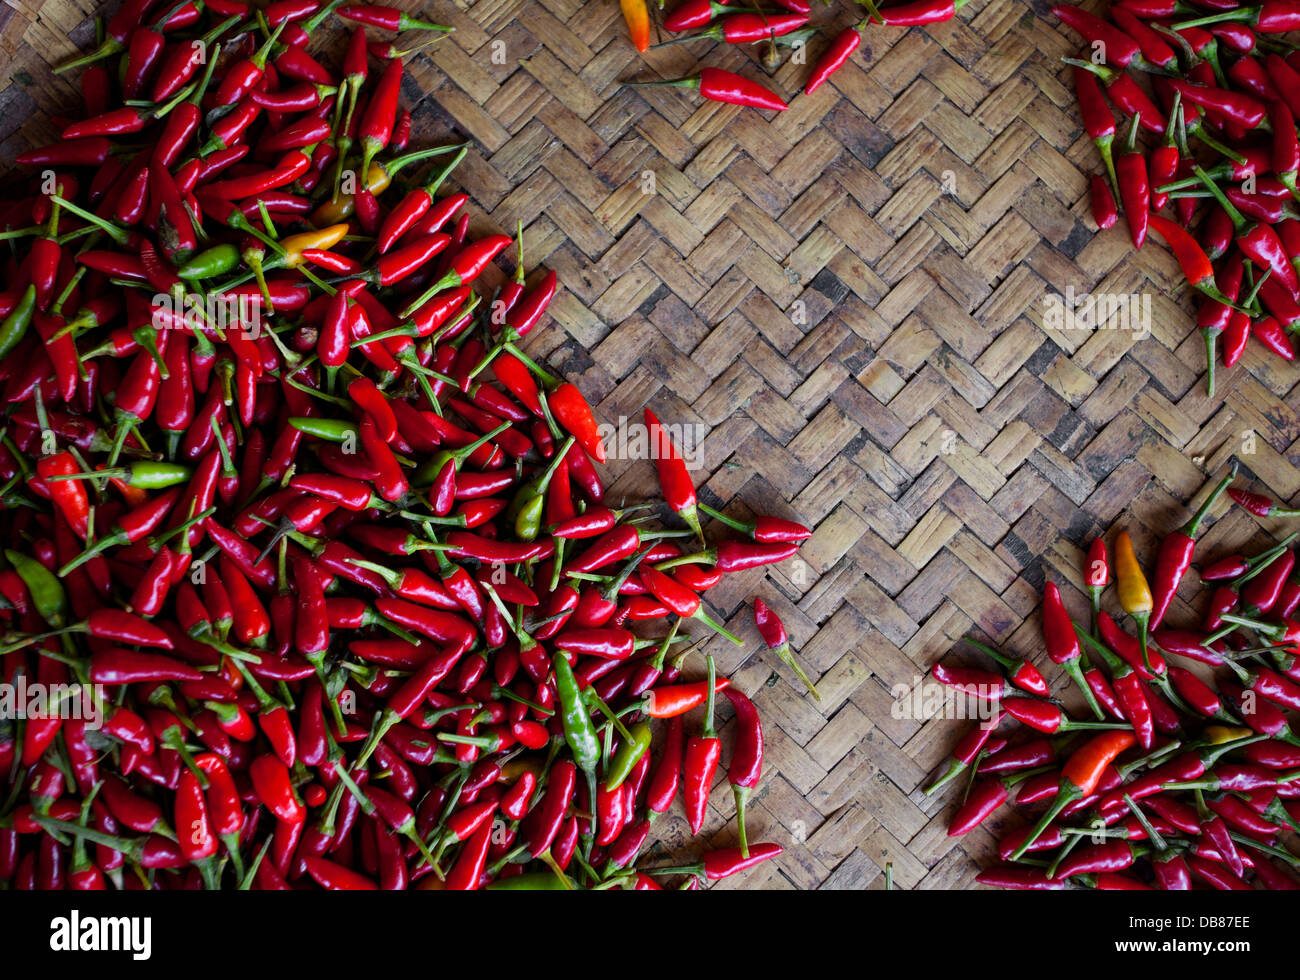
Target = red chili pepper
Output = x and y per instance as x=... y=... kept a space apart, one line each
x=1270 y=17
x=1153 y=45
x=735 y=556
x=68 y=495
x=1104 y=858
x=1235 y=337
x=985 y=796
x=674 y=479
x=1129 y=648
x=1133 y=700
x=544 y=820
x=1286 y=149
x=1194 y=262
x=376 y=125
x=702 y=754
x=516 y=379
x=1260 y=243
x=1260 y=593
x=117 y=666
x=1260 y=505
x=677 y=699
x=967 y=750
x=387 y=18
x=1274 y=879
x=336 y=877
x=1273 y=755
x=1105 y=693
x=979 y=683
x=691 y=14
x=527 y=312
x=419 y=204
x=1238 y=108
x=1061 y=642
x=1121 y=50
x=193 y=830
x=1104 y=211
x=115 y=122
x=1264 y=718
x=746 y=764
x=917 y=12
x=611 y=644
x=718 y=85
x=1271 y=334
x=729 y=861
x=272 y=783
x=93 y=151
x=1171 y=871
x=1134 y=192
x=1020 y=879
x=833 y=58
x=1175 y=555
x=747 y=28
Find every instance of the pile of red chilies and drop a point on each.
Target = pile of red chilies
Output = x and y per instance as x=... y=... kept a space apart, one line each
x=1175 y=779
x=341 y=574
x=1219 y=94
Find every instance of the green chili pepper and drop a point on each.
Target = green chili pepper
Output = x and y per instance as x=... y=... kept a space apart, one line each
x=153 y=475
x=331 y=430
x=529 y=503
x=146 y=474
x=627 y=756
x=48 y=596
x=216 y=261
x=15 y=324
x=579 y=732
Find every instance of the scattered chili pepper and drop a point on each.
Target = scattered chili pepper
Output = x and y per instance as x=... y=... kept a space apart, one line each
x=773 y=632
x=1260 y=505
x=637 y=18
x=718 y=85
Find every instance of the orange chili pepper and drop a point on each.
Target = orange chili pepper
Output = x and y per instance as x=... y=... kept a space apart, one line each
x=638 y=22
x=1079 y=778
x=322 y=238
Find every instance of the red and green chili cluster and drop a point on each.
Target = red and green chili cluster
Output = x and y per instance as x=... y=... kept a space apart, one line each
x=340 y=571
x=1215 y=87
x=1179 y=777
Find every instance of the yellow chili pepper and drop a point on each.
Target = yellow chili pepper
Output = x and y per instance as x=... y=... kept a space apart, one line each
x=1219 y=734
x=322 y=238
x=340 y=208
x=1134 y=593
x=638 y=22
x=516 y=767
x=378 y=177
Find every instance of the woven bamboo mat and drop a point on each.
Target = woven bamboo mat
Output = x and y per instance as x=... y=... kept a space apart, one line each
x=848 y=299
